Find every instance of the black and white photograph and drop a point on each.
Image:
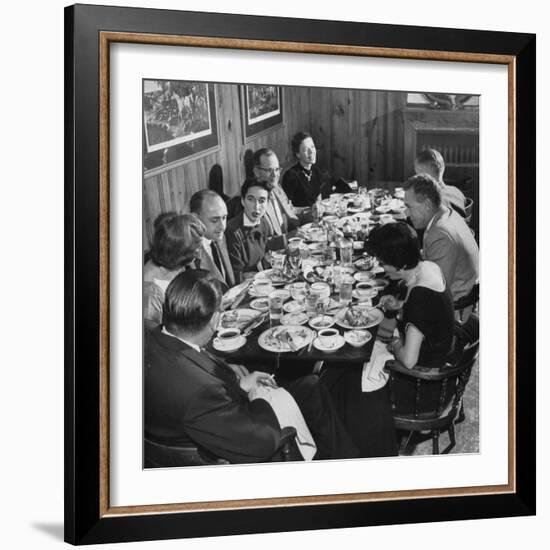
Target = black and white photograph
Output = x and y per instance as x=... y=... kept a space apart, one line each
x=310 y=293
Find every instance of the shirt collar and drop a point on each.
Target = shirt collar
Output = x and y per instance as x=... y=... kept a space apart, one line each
x=249 y=223
x=190 y=344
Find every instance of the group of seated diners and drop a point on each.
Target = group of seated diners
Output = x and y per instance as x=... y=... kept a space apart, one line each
x=190 y=394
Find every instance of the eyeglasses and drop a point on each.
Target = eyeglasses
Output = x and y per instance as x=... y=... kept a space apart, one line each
x=271 y=171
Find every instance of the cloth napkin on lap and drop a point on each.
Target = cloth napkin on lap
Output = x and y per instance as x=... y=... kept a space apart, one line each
x=288 y=414
x=374 y=376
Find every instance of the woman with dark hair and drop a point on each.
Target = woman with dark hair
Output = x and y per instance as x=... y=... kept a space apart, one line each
x=304 y=181
x=427 y=324
x=176 y=243
x=427 y=334
x=428 y=318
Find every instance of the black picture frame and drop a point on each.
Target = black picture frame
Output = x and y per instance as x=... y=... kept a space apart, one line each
x=88 y=518
x=253 y=126
x=174 y=153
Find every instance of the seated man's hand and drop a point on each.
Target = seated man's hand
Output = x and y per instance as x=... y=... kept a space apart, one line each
x=256 y=378
x=239 y=370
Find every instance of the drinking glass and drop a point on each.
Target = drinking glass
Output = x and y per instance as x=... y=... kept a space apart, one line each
x=346 y=252
x=294 y=257
x=298 y=292
x=277 y=263
x=346 y=288
x=275 y=309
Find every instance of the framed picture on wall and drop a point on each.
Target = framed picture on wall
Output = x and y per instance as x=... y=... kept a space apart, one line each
x=179 y=121
x=262 y=108
x=109 y=495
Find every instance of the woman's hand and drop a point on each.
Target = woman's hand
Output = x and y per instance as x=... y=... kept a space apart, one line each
x=256 y=378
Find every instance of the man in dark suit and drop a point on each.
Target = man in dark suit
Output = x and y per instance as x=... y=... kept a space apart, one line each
x=210 y=208
x=190 y=394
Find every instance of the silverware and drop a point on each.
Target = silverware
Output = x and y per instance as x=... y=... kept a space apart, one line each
x=255 y=324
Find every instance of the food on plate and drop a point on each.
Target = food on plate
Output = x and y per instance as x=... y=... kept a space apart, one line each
x=357 y=317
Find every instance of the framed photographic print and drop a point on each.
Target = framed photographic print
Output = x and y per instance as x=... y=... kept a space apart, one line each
x=153 y=85
x=179 y=120
x=262 y=108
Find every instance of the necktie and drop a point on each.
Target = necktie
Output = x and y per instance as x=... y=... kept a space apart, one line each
x=217 y=259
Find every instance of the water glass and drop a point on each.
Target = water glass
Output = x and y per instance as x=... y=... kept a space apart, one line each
x=277 y=262
x=346 y=288
x=298 y=291
x=275 y=309
x=346 y=252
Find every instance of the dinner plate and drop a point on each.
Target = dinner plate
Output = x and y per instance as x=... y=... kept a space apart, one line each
x=363 y=264
x=375 y=316
x=274 y=277
x=272 y=339
x=281 y=293
x=260 y=304
x=338 y=343
x=244 y=316
x=255 y=294
x=238 y=344
x=299 y=318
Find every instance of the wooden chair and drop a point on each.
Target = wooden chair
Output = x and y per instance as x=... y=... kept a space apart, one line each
x=450 y=379
x=158 y=455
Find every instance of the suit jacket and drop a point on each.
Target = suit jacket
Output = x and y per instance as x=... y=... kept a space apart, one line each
x=194 y=395
x=449 y=243
x=247 y=245
x=207 y=262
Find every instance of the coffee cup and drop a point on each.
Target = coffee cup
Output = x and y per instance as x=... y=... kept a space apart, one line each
x=365 y=290
x=263 y=287
x=328 y=337
x=228 y=337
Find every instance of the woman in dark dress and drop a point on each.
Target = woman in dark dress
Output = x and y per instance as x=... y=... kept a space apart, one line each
x=427 y=324
x=426 y=338
x=304 y=181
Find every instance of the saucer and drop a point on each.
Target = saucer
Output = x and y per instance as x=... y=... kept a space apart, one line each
x=239 y=343
x=294 y=307
x=371 y=294
x=337 y=345
x=260 y=304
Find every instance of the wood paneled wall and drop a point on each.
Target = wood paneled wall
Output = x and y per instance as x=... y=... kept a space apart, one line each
x=358 y=134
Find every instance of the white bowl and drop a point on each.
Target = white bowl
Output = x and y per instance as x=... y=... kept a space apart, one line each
x=328 y=322
x=357 y=338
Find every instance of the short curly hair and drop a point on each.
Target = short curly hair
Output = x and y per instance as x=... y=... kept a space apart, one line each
x=395 y=244
x=176 y=240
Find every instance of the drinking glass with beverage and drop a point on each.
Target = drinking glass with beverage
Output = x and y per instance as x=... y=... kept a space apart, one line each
x=346 y=252
x=277 y=263
x=346 y=288
x=275 y=309
x=298 y=291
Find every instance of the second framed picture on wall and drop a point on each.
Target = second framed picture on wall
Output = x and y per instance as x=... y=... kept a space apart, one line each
x=262 y=108
x=179 y=121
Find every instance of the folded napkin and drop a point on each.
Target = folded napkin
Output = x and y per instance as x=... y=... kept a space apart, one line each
x=374 y=376
x=288 y=414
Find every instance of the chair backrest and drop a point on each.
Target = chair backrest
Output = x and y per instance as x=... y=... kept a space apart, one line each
x=449 y=381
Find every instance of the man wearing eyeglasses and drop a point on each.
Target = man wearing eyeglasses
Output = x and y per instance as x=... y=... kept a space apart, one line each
x=279 y=213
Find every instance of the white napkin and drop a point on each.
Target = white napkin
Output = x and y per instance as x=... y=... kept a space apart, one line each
x=374 y=376
x=288 y=414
